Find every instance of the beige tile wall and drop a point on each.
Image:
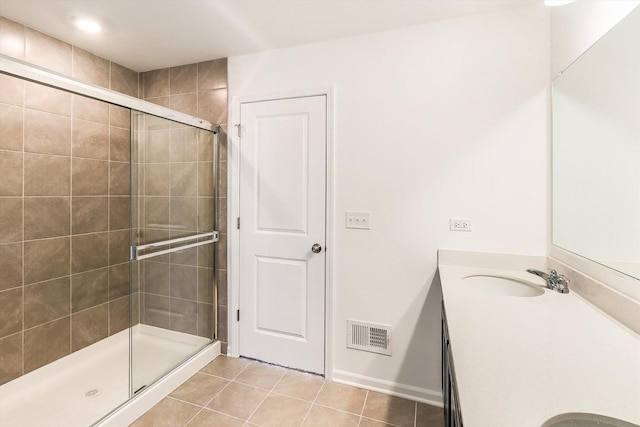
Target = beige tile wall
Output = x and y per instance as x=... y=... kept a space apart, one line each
x=64 y=205
x=201 y=90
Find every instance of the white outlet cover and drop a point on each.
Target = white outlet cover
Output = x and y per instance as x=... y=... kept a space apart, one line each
x=358 y=220
x=459 y=224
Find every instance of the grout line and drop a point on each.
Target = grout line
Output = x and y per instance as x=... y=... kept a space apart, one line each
x=366 y=396
x=314 y=402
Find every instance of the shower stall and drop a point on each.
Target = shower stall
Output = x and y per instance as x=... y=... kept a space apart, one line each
x=107 y=239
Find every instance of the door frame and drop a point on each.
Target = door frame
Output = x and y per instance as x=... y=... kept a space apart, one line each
x=233 y=212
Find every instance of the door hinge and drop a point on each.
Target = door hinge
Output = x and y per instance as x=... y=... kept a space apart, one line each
x=238 y=315
x=239 y=127
x=238 y=223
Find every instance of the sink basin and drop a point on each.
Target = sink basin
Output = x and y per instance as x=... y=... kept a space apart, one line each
x=585 y=420
x=504 y=286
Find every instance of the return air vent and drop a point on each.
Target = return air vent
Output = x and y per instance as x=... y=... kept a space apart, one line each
x=369 y=337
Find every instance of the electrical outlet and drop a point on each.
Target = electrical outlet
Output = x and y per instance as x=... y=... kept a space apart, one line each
x=459 y=224
x=361 y=220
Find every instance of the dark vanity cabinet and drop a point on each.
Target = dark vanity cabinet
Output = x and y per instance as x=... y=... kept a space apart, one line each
x=452 y=414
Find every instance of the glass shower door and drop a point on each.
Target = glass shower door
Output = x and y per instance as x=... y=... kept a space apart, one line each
x=172 y=245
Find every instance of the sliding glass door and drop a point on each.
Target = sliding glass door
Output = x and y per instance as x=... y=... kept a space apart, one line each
x=172 y=244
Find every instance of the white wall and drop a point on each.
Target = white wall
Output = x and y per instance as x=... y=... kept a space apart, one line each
x=431 y=122
x=577 y=26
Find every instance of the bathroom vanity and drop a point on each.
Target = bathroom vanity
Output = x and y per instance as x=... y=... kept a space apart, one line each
x=518 y=354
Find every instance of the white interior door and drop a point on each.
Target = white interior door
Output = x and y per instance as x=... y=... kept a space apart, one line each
x=282 y=217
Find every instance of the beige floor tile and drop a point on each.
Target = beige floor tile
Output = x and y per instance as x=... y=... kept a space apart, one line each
x=429 y=416
x=226 y=367
x=168 y=413
x=238 y=400
x=261 y=375
x=342 y=397
x=367 y=422
x=208 y=418
x=319 y=416
x=280 y=411
x=199 y=389
x=390 y=409
x=299 y=384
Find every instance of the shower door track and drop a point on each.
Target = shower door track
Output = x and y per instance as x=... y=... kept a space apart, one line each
x=26 y=71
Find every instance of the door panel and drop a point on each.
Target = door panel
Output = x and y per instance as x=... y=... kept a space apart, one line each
x=282 y=208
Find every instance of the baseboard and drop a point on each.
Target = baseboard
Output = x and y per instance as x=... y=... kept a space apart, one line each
x=146 y=399
x=419 y=394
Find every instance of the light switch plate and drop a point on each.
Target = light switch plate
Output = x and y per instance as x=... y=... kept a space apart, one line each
x=361 y=220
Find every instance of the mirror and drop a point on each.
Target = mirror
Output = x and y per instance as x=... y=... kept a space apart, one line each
x=596 y=151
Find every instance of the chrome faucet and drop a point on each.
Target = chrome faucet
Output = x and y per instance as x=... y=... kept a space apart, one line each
x=555 y=281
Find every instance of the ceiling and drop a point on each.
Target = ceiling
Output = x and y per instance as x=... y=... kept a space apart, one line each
x=151 y=34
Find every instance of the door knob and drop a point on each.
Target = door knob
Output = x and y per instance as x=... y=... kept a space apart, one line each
x=316 y=248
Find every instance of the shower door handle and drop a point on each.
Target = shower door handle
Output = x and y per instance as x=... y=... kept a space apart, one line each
x=136 y=255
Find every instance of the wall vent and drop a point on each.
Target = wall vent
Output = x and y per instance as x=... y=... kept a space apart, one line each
x=369 y=337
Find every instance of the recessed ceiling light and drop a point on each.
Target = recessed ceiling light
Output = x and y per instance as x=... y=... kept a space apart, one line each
x=88 y=25
x=557 y=2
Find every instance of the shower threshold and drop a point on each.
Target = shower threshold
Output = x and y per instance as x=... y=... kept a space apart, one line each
x=84 y=386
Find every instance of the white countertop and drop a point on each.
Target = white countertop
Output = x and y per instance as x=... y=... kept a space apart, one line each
x=520 y=361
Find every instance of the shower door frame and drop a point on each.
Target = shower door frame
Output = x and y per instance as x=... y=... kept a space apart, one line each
x=135 y=405
x=26 y=71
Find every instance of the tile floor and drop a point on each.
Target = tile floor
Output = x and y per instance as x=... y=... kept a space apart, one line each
x=240 y=392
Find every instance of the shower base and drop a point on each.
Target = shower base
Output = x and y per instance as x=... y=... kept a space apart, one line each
x=84 y=386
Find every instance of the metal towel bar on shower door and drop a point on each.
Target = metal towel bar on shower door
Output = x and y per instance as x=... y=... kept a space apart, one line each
x=134 y=252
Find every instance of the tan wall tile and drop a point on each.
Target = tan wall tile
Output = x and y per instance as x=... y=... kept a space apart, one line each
x=47 y=99
x=10 y=220
x=47 y=133
x=184 y=79
x=118 y=213
x=90 y=177
x=124 y=80
x=10 y=265
x=157 y=146
x=184 y=179
x=184 y=282
x=11 y=167
x=118 y=281
x=90 y=109
x=46 y=301
x=12 y=125
x=89 y=289
x=118 y=315
x=212 y=105
x=156 y=311
x=48 y=52
x=186 y=103
x=119 y=117
x=164 y=101
x=212 y=74
x=46 y=259
x=89 y=252
x=155 y=83
x=10 y=358
x=46 y=175
x=89 y=326
x=11 y=313
x=11 y=90
x=184 y=316
x=46 y=217
x=90 y=214
x=119 y=182
x=120 y=146
x=90 y=68
x=90 y=140
x=46 y=343
x=205 y=320
x=183 y=215
x=11 y=39
x=156 y=278
x=118 y=246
